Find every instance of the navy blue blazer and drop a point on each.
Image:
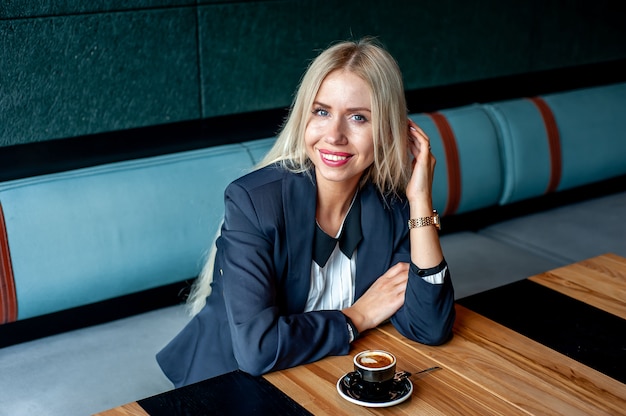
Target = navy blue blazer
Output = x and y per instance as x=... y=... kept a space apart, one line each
x=254 y=319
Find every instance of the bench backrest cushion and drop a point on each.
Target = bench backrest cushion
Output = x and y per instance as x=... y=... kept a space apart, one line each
x=525 y=149
x=560 y=141
x=257 y=149
x=592 y=129
x=82 y=236
x=468 y=173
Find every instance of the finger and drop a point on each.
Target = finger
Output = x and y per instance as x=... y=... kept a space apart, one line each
x=398 y=267
x=419 y=138
x=415 y=128
x=398 y=274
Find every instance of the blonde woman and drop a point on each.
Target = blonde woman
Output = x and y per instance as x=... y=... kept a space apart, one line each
x=333 y=234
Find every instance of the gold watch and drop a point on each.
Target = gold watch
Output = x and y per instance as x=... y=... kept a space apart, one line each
x=425 y=221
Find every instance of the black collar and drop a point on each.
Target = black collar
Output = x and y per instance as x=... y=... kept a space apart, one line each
x=350 y=237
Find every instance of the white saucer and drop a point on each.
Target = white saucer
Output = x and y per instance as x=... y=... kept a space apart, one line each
x=397 y=395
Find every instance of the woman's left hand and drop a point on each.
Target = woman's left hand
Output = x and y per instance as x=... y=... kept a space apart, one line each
x=419 y=188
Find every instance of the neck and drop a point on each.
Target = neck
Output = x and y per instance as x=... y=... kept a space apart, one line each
x=333 y=203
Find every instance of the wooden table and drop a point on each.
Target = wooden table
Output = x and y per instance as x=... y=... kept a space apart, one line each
x=487 y=368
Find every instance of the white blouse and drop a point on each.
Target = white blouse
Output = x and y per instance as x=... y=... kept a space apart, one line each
x=332 y=286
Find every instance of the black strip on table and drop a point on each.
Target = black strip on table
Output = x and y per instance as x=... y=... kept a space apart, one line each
x=589 y=335
x=235 y=393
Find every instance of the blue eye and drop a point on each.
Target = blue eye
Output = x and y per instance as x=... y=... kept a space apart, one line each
x=359 y=117
x=320 y=112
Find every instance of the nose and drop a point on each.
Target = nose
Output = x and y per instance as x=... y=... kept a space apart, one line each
x=336 y=132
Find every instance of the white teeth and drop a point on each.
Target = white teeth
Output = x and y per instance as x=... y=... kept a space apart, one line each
x=334 y=158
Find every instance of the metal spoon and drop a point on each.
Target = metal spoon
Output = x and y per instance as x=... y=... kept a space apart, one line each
x=401 y=375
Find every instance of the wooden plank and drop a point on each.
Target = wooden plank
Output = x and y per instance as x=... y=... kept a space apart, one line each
x=130 y=409
x=600 y=282
x=520 y=371
x=442 y=393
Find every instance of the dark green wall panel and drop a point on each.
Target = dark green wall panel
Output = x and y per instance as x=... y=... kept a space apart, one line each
x=85 y=74
x=449 y=42
x=575 y=32
x=39 y=8
x=253 y=54
x=71 y=68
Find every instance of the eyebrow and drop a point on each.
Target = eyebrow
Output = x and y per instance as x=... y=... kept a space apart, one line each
x=349 y=109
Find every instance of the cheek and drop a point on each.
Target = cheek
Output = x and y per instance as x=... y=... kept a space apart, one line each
x=314 y=126
x=308 y=137
x=367 y=148
x=312 y=133
x=309 y=142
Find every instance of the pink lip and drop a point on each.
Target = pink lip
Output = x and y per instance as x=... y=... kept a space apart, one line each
x=342 y=158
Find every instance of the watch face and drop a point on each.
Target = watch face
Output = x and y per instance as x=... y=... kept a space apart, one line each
x=436 y=220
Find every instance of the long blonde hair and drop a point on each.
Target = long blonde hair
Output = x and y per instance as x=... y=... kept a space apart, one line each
x=389 y=173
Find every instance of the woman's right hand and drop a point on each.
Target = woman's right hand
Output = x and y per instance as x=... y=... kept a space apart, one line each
x=381 y=300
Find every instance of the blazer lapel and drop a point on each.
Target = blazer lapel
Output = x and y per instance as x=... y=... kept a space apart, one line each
x=299 y=198
x=375 y=251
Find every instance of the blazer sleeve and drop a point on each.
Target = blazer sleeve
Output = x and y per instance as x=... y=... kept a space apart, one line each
x=264 y=337
x=428 y=313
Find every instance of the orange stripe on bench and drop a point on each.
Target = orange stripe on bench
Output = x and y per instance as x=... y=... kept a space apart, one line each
x=452 y=162
x=554 y=142
x=8 y=298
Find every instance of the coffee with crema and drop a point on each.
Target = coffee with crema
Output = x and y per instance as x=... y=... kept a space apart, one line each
x=373 y=371
x=374 y=360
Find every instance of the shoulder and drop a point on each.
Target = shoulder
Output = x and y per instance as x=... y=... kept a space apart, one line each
x=263 y=177
x=268 y=197
x=268 y=183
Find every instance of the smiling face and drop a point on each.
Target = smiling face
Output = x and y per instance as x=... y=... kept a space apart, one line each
x=339 y=132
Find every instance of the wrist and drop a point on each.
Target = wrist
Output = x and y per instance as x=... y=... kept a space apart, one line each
x=353 y=332
x=420 y=206
x=355 y=318
x=426 y=220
